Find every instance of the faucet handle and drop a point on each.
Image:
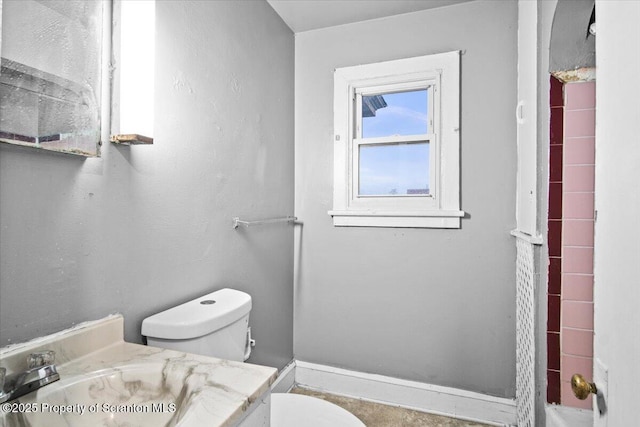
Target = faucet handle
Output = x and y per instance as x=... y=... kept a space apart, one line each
x=41 y=358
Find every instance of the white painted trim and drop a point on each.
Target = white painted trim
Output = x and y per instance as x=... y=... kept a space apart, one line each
x=106 y=96
x=286 y=379
x=527 y=119
x=462 y=404
x=534 y=240
x=353 y=220
x=564 y=416
x=443 y=213
x=441 y=73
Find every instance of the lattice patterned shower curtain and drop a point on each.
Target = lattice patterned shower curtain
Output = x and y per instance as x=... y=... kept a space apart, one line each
x=525 y=334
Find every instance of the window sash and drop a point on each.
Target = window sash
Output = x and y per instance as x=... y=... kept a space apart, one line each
x=417 y=201
x=402 y=139
x=406 y=201
x=361 y=91
x=401 y=195
x=396 y=140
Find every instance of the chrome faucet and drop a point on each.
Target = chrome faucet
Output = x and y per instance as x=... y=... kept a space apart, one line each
x=40 y=372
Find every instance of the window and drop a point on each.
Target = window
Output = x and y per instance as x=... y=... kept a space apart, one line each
x=51 y=74
x=397 y=143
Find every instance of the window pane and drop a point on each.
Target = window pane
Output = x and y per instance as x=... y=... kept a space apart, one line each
x=401 y=113
x=394 y=169
x=50 y=77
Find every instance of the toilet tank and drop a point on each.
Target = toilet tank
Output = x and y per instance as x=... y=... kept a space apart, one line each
x=214 y=325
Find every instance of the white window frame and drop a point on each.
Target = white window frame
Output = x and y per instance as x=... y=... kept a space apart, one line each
x=440 y=73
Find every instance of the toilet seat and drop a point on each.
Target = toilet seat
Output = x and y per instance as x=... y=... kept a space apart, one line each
x=295 y=410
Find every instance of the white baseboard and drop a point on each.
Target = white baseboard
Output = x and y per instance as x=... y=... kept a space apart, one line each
x=286 y=379
x=423 y=397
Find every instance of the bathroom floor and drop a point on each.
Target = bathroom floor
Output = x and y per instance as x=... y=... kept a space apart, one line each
x=378 y=415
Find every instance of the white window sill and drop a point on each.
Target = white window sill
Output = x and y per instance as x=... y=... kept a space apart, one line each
x=423 y=219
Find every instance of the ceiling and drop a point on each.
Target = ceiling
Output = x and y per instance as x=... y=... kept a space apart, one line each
x=305 y=15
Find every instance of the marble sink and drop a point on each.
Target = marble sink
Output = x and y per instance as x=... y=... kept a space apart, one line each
x=124 y=384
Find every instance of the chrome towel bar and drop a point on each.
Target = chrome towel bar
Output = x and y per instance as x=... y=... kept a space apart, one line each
x=238 y=222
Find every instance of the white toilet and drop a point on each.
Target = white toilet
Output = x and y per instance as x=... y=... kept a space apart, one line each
x=217 y=325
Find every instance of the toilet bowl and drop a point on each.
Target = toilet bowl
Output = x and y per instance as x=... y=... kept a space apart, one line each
x=217 y=325
x=295 y=410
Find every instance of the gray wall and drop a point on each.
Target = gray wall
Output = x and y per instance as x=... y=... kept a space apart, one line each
x=571 y=46
x=436 y=306
x=146 y=227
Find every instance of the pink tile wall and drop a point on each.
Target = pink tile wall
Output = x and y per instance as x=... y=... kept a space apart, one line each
x=577 y=287
x=576 y=310
x=580 y=151
x=580 y=96
x=579 y=205
x=578 y=315
x=579 y=123
x=578 y=232
x=578 y=178
x=577 y=260
x=576 y=342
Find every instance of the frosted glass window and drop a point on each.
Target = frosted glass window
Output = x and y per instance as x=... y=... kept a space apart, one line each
x=395 y=114
x=394 y=169
x=50 y=81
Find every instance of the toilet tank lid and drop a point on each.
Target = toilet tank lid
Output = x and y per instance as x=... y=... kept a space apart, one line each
x=198 y=317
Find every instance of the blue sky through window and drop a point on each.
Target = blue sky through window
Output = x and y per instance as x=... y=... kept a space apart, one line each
x=396 y=169
x=405 y=114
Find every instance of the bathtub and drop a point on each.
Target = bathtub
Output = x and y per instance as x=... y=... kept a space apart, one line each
x=564 y=416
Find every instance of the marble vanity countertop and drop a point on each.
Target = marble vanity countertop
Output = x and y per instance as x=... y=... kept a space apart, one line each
x=106 y=381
